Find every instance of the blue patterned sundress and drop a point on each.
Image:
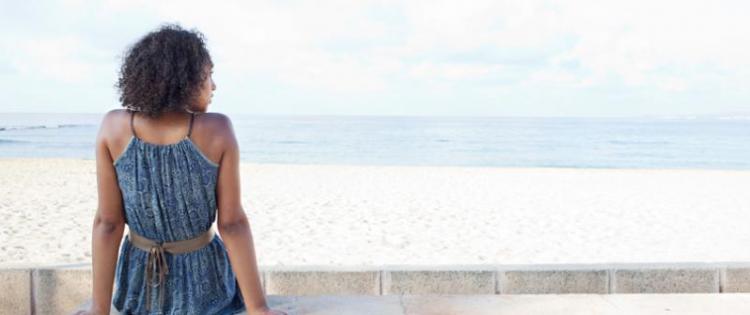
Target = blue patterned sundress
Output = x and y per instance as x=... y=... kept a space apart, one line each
x=169 y=194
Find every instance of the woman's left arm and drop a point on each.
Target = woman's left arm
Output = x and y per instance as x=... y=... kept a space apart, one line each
x=109 y=223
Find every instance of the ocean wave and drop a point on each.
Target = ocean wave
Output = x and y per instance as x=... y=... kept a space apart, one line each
x=54 y=126
x=735 y=118
x=289 y=142
x=638 y=142
x=10 y=141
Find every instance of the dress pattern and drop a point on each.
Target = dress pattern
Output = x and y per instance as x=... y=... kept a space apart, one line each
x=169 y=194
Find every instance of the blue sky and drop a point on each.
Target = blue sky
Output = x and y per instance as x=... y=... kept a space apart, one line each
x=467 y=58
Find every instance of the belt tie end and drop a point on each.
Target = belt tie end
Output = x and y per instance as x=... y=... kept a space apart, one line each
x=156 y=263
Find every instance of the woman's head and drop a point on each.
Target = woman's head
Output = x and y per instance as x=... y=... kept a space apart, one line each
x=167 y=70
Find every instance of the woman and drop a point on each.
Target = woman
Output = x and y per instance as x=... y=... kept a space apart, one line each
x=168 y=169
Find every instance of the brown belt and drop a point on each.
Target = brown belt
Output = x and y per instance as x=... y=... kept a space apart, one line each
x=156 y=257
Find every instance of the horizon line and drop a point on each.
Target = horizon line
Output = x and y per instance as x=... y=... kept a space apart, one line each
x=706 y=115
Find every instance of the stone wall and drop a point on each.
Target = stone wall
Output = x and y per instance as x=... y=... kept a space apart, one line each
x=60 y=290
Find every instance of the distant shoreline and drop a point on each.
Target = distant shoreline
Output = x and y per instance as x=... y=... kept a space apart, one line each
x=623 y=143
x=508 y=168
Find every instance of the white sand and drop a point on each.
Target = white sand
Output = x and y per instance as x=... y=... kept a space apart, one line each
x=375 y=215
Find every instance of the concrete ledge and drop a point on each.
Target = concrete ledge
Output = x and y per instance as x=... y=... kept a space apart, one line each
x=607 y=304
x=61 y=289
x=322 y=282
x=552 y=281
x=736 y=279
x=15 y=291
x=666 y=280
x=439 y=282
x=612 y=304
x=338 y=304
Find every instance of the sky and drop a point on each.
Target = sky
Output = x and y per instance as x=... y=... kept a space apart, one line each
x=439 y=58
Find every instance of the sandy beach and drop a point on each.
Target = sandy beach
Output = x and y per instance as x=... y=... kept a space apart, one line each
x=393 y=215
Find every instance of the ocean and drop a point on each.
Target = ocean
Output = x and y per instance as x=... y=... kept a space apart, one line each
x=651 y=142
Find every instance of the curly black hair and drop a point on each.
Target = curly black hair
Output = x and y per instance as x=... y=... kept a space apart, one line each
x=162 y=72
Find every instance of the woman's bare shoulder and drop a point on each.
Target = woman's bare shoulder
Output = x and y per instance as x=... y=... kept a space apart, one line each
x=217 y=125
x=114 y=115
x=113 y=123
x=215 y=120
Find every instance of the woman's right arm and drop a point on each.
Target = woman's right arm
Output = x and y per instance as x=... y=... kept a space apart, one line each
x=109 y=222
x=233 y=225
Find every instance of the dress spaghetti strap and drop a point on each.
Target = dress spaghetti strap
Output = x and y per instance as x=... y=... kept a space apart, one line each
x=190 y=127
x=132 y=129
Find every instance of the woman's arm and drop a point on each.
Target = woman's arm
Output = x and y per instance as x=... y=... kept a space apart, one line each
x=233 y=225
x=109 y=223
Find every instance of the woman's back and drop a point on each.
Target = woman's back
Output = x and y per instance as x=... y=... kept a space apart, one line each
x=170 y=170
x=169 y=195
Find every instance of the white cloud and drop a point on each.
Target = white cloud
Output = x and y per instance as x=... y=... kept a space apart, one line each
x=641 y=42
x=53 y=58
x=432 y=71
x=377 y=48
